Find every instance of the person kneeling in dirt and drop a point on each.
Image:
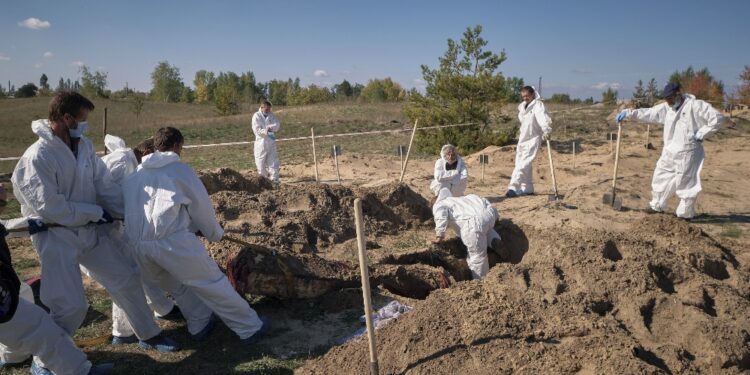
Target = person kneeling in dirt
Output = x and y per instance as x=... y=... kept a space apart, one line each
x=687 y=121
x=165 y=205
x=536 y=125
x=473 y=218
x=450 y=172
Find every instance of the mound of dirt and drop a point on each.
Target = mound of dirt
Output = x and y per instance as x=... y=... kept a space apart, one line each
x=306 y=218
x=226 y=179
x=663 y=297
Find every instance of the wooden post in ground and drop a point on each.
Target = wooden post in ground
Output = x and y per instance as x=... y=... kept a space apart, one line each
x=336 y=162
x=104 y=129
x=648 y=137
x=315 y=158
x=408 y=151
x=365 y=275
x=574 y=154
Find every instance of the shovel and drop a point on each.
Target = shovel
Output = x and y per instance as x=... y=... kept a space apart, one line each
x=552 y=197
x=611 y=199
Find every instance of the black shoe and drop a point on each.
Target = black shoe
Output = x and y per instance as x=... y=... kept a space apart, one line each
x=511 y=193
x=174 y=315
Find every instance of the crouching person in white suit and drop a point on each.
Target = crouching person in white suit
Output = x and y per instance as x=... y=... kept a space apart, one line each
x=473 y=218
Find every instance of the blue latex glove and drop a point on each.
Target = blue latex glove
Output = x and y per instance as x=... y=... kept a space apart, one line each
x=106 y=218
x=697 y=138
x=36 y=226
x=621 y=116
x=271 y=135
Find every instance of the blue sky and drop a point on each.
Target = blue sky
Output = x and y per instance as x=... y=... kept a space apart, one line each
x=578 y=47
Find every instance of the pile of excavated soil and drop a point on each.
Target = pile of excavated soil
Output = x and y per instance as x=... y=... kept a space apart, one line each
x=663 y=297
x=224 y=179
x=306 y=218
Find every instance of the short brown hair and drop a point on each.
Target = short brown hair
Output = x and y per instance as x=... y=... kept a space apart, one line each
x=167 y=139
x=144 y=148
x=69 y=102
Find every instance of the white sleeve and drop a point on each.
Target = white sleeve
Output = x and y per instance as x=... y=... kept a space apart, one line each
x=275 y=125
x=259 y=131
x=35 y=186
x=441 y=218
x=713 y=119
x=543 y=118
x=655 y=114
x=200 y=209
x=108 y=193
x=464 y=171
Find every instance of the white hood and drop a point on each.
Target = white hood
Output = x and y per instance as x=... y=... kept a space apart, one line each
x=114 y=143
x=159 y=159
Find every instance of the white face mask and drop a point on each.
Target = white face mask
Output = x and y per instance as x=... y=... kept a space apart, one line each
x=78 y=132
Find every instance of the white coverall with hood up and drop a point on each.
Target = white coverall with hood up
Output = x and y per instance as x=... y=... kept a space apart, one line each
x=165 y=205
x=473 y=218
x=679 y=166
x=535 y=123
x=57 y=187
x=455 y=179
x=266 y=157
x=121 y=162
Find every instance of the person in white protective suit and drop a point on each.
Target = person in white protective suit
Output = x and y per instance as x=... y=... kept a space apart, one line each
x=473 y=219
x=60 y=180
x=265 y=126
x=28 y=328
x=450 y=172
x=687 y=122
x=536 y=125
x=122 y=162
x=165 y=205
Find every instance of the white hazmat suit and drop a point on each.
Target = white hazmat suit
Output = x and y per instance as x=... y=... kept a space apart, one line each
x=535 y=124
x=266 y=157
x=679 y=166
x=473 y=218
x=121 y=162
x=58 y=187
x=454 y=179
x=165 y=205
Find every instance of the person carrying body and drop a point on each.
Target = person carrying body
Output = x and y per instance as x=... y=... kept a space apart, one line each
x=687 y=122
x=450 y=172
x=27 y=328
x=60 y=180
x=122 y=162
x=165 y=206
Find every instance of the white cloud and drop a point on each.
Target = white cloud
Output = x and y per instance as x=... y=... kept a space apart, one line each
x=34 y=24
x=604 y=85
x=77 y=63
x=38 y=65
x=4 y=58
x=48 y=54
x=320 y=73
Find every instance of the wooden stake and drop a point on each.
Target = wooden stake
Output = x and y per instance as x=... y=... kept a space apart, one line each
x=408 y=151
x=482 y=171
x=336 y=162
x=104 y=129
x=365 y=275
x=648 y=137
x=574 y=154
x=315 y=158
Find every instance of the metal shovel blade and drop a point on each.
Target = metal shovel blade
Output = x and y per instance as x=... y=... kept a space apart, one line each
x=611 y=200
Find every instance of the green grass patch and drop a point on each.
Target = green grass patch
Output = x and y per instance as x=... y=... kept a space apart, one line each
x=732 y=231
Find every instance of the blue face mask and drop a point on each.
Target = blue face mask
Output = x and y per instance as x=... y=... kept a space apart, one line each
x=78 y=132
